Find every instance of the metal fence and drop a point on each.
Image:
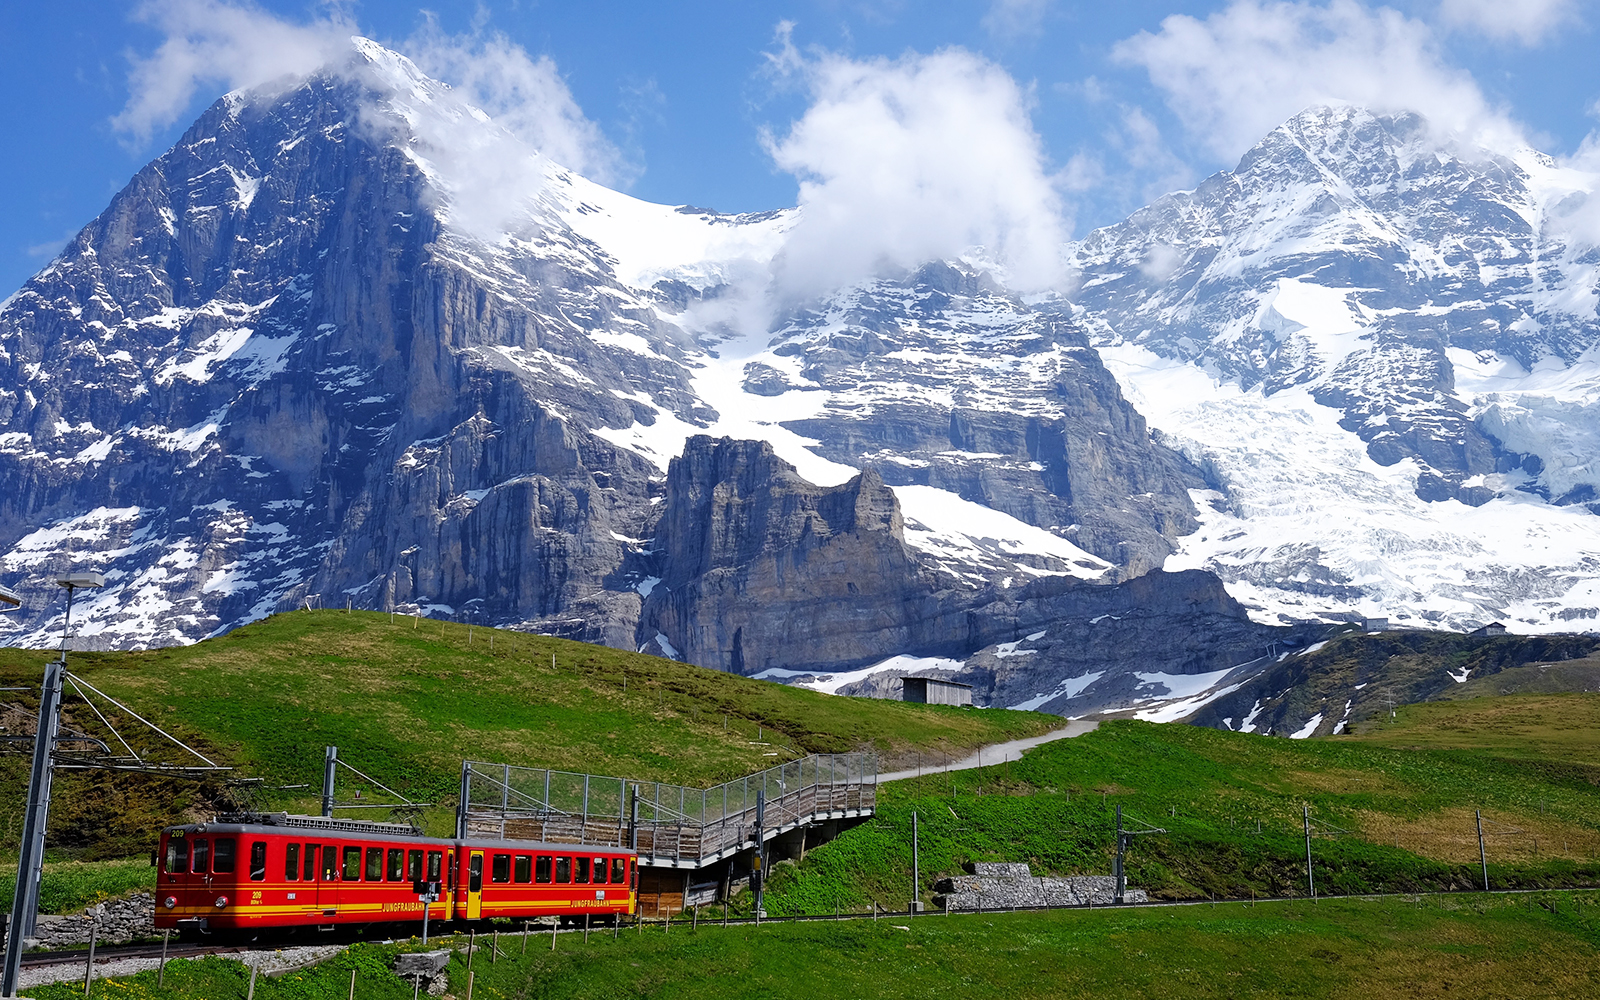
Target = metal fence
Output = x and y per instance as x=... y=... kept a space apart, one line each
x=671 y=825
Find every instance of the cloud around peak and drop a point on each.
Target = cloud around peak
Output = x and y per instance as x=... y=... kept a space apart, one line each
x=217 y=44
x=213 y=43
x=1237 y=74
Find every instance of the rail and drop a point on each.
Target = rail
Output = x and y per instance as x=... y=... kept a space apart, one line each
x=670 y=825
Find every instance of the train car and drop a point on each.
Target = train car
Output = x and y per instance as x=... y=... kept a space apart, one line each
x=259 y=872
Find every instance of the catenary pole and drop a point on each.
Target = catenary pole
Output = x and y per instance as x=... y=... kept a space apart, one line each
x=1483 y=857
x=1311 y=880
x=30 y=862
x=330 y=768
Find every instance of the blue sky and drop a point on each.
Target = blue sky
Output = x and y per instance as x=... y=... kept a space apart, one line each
x=729 y=105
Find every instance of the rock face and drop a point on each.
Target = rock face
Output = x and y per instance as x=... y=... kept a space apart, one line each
x=742 y=535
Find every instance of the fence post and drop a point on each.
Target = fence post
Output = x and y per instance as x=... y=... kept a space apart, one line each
x=470 y=977
x=88 y=969
x=161 y=970
x=251 y=993
x=353 y=985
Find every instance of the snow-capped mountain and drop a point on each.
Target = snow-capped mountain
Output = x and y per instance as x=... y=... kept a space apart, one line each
x=1380 y=347
x=350 y=342
x=304 y=357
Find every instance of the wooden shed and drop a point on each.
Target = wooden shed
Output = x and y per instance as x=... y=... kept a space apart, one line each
x=935 y=691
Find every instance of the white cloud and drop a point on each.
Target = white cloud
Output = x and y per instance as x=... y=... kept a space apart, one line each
x=906 y=160
x=223 y=45
x=1015 y=18
x=524 y=94
x=1527 y=21
x=1246 y=69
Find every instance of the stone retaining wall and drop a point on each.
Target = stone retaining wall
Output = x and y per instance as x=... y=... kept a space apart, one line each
x=120 y=920
x=999 y=886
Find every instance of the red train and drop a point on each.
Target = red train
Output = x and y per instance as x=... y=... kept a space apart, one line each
x=257 y=872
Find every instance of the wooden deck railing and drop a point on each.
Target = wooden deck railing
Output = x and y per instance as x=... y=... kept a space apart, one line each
x=668 y=824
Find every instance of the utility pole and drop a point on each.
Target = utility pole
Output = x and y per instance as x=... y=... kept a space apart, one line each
x=916 y=872
x=761 y=847
x=30 y=863
x=1483 y=857
x=465 y=800
x=330 y=767
x=1118 y=871
x=1311 y=880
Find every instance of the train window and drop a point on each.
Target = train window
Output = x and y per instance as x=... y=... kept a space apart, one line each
x=583 y=872
x=541 y=870
x=258 y=859
x=524 y=872
x=178 y=857
x=374 y=864
x=501 y=870
x=397 y=864
x=414 y=866
x=352 y=864
x=619 y=870
x=599 y=870
x=330 y=862
x=291 y=862
x=222 y=855
x=475 y=873
x=202 y=855
x=563 y=870
x=450 y=871
x=310 y=870
x=435 y=859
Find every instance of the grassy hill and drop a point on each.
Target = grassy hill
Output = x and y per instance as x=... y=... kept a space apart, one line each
x=1474 y=946
x=407 y=700
x=1394 y=809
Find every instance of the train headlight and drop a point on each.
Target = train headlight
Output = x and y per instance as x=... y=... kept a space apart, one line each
x=170 y=902
x=222 y=901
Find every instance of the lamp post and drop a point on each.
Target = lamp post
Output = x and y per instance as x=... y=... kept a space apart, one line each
x=30 y=865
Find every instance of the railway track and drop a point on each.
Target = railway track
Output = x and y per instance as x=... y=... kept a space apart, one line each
x=112 y=953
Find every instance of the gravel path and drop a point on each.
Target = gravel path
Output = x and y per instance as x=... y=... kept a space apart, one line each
x=999 y=753
x=268 y=961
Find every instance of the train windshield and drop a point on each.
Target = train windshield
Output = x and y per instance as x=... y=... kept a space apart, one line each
x=177 y=856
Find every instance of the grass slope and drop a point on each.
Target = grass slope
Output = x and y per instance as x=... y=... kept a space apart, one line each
x=406 y=701
x=1476 y=946
x=1467 y=946
x=1232 y=806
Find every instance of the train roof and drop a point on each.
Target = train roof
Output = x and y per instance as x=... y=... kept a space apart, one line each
x=288 y=825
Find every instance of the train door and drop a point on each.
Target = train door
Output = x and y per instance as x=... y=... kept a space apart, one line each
x=475 y=885
x=328 y=884
x=174 y=876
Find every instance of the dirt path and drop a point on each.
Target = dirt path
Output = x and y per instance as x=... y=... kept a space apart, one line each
x=999 y=753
